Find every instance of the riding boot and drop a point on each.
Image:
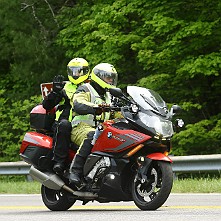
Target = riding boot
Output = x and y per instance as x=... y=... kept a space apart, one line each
x=76 y=170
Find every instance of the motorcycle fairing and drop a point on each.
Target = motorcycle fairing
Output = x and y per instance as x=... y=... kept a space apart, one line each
x=117 y=140
x=159 y=156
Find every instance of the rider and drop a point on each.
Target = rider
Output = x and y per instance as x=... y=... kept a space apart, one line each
x=61 y=97
x=88 y=96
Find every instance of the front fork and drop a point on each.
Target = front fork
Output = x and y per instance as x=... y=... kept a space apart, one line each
x=145 y=162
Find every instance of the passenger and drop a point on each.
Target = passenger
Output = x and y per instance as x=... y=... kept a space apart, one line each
x=61 y=96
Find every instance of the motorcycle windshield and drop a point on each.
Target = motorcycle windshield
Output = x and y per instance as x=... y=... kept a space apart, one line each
x=151 y=101
x=148 y=99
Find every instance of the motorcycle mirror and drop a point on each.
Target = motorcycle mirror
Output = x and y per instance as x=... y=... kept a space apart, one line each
x=116 y=92
x=175 y=109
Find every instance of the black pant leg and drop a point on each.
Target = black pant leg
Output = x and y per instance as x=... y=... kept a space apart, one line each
x=62 y=139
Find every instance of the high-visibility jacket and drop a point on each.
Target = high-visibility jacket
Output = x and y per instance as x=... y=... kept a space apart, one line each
x=66 y=104
x=84 y=100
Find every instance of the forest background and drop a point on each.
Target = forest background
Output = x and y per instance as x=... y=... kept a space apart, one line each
x=172 y=47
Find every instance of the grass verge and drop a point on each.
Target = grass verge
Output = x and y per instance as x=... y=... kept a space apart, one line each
x=197 y=185
x=186 y=185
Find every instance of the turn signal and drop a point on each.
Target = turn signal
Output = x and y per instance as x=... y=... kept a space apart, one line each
x=132 y=152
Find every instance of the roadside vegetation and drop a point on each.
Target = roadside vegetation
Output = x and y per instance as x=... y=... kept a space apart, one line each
x=197 y=185
x=10 y=185
x=172 y=47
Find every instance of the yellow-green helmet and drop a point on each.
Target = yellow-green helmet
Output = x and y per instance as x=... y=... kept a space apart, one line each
x=105 y=75
x=78 y=70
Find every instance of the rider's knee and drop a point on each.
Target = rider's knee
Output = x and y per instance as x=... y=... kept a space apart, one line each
x=65 y=126
x=90 y=135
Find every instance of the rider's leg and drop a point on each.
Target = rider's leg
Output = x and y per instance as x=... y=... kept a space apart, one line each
x=61 y=144
x=76 y=170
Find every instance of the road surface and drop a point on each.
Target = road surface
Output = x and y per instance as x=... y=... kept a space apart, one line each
x=178 y=207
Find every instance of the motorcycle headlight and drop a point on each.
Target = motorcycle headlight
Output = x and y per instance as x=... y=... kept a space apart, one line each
x=163 y=127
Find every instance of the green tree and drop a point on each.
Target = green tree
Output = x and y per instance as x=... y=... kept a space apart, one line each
x=172 y=47
x=28 y=53
x=28 y=56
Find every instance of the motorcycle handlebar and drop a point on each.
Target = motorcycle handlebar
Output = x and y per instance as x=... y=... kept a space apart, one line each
x=107 y=108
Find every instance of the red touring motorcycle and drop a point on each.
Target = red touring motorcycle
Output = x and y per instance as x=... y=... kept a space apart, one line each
x=129 y=160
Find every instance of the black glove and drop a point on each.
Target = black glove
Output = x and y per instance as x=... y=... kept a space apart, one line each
x=98 y=110
x=58 y=83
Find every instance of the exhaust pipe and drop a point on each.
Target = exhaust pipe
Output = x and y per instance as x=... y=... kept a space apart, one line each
x=50 y=180
x=53 y=181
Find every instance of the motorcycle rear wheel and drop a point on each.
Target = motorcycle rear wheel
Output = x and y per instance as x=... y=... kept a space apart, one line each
x=153 y=192
x=56 y=200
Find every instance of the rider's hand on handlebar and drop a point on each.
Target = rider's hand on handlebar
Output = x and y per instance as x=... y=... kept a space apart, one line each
x=98 y=111
x=104 y=105
x=102 y=108
x=58 y=83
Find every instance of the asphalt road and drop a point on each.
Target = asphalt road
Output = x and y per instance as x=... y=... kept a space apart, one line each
x=179 y=207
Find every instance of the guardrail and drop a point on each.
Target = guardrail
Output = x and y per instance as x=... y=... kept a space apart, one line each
x=14 y=168
x=181 y=164
x=197 y=163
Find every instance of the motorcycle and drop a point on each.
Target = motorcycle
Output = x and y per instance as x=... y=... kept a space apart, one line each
x=128 y=162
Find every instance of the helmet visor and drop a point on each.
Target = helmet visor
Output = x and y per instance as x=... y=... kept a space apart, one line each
x=108 y=77
x=76 y=72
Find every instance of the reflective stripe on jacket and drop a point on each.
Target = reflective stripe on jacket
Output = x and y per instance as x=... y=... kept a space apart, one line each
x=91 y=101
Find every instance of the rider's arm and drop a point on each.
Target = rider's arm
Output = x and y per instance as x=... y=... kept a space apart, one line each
x=55 y=97
x=51 y=100
x=81 y=100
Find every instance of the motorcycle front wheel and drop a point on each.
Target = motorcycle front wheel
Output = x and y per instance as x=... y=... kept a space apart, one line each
x=56 y=200
x=150 y=194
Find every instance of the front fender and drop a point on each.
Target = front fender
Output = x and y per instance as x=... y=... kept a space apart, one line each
x=159 y=156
